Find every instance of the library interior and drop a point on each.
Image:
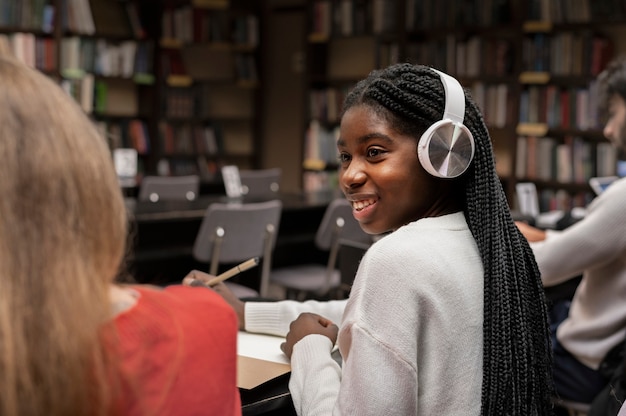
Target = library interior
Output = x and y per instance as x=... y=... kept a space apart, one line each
x=234 y=103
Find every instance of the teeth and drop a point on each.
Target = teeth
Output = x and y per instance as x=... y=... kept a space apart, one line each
x=359 y=205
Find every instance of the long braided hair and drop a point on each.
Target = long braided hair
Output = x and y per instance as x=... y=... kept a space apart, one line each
x=517 y=354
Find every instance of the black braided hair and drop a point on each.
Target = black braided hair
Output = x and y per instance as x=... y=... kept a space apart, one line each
x=517 y=353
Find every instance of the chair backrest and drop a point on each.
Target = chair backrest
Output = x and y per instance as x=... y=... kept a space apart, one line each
x=167 y=188
x=235 y=232
x=339 y=227
x=264 y=183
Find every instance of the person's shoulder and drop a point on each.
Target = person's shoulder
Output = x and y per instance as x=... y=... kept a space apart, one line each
x=185 y=304
x=181 y=296
x=618 y=186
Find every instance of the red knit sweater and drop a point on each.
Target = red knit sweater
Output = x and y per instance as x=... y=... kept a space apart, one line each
x=178 y=354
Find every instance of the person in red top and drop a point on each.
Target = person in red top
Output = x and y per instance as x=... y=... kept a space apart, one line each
x=173 y=362
x=73 y=342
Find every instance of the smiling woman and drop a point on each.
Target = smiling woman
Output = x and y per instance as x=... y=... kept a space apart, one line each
x=447 y=314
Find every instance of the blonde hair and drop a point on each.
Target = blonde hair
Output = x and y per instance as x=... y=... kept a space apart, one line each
x=63 y=227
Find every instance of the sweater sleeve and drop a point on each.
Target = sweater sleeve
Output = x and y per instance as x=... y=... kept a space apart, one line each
x=273 y=318
x=597 y=239
x=315 y=376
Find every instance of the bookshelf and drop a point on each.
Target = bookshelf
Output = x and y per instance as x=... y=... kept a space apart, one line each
x=530 y=66
x=208 y=87
x=97 y=53
x=346 y=40
x=560 y=145
x=176 y=80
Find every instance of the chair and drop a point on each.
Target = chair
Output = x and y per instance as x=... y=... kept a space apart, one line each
x=235 y=232
x=162 y=188
x=337 y=228
x=260 y=183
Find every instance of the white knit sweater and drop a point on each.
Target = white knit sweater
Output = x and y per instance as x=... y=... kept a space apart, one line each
x=411 y=337
x=596 y=248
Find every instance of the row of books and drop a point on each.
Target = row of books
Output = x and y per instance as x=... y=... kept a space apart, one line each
x=320 y=146
x=106 y=97
x=131 y=133
x=567 y=53
x=35 y=15
x=35 y=51
x=560 y=107
x=206 y=62
x=180 y=103
x=209 y=100
x=427 y=14
x=496 y=103
x=103 y=18
x=466 y=57
x=188 y=24
x=576 y=11
x=352 y=18
x=208 y=169
x=561 y=200
x=568 y=160
x=102 y=57
x=325 y=104
x=189 y=139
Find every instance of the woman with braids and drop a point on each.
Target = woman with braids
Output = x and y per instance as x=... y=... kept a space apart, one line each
x=72 y=342
x=447 y=314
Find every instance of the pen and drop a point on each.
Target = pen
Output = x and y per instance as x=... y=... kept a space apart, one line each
x=248 y=264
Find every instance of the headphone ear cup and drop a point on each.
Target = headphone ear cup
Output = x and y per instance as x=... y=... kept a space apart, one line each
x=446 y=149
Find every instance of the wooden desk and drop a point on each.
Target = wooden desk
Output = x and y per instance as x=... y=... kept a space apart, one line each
x=162 y=234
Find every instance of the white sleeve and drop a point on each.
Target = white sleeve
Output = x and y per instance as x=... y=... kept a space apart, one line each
x=317 y=388
x=596 y=239
x=315 y=376
x=274 y=317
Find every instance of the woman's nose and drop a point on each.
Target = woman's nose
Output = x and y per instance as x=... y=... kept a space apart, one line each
x=353 y=175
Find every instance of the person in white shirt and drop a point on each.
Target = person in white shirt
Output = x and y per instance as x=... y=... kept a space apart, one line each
x=447 y=313
x=594 y=322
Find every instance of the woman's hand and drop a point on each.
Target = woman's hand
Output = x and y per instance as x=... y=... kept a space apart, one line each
x=307 y=324
x=531 y=233
x=195 y=276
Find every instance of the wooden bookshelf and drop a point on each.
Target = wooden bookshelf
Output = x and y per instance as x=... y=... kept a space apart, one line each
x=530 y=66
x=346 y=40
x=176 y=80
x=99 y=53
x=208 y=87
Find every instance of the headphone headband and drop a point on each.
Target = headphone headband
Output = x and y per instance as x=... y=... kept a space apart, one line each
x=455 y=98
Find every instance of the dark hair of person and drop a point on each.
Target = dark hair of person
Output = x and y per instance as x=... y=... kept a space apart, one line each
x=517 y=353
x=611 y=81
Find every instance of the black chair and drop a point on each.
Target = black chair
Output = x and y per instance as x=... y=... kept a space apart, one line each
x=338 y=228
x=235 y=232
x=168 y=188
x=260 y=183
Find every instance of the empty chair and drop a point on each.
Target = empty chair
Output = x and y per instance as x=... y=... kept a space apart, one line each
x=260 y=183
x=236 y=232
x=168 y=188
x=338 y=227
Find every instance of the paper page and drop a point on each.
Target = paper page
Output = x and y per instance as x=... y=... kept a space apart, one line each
x=264 y=347
x=259 y=359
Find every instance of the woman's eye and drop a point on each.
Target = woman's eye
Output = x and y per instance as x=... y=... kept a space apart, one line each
x=344 y=157
x=373 y=152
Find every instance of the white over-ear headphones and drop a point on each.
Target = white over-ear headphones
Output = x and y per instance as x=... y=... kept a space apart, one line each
x=446 y=148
